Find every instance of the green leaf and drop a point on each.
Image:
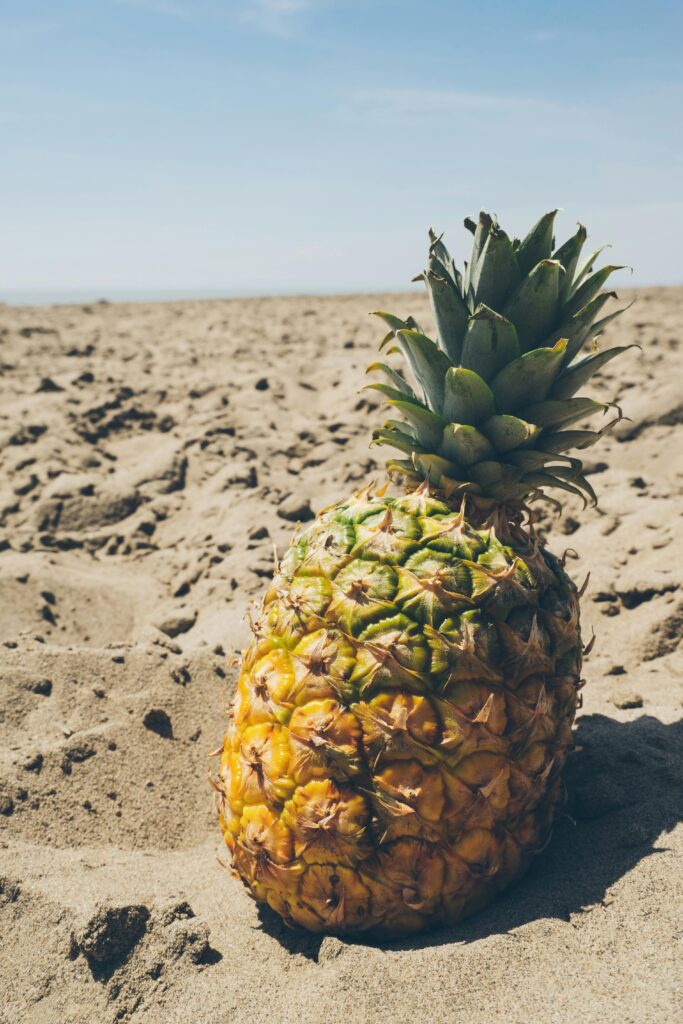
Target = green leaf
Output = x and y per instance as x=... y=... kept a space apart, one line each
x=444 y=271
x=450 y=313
x=496 y=273
x=538 y=244
x=428 y=363
x=480 y=235
x=428 y=427
x=467 y=398
x=562 y=412
x=434 y=468
x=577 y=329
x=599 y=326
x=490 y=474
x=465 y=444
x=396 y=379
x=586 y=267
x=589 y=289
x=509 y=432
x=544 y=480
x=395 y=323
x=565 y=440
x=398 y=425
x=568 y=255
x=393 y=394
x=396 y=439
x=576 y=375
x=442 y=268
x=404 y=466
x=532 y=461
x=576 y=478
x=534 y=306
x=438 y=250
x=531 y=376
x=490 y=343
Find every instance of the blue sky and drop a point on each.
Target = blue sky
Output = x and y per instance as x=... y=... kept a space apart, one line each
x=307 y=145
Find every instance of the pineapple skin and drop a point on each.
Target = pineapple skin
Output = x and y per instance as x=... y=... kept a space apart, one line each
x=402 y=716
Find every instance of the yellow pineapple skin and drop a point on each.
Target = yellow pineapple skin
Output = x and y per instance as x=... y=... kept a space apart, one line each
x=402 y=717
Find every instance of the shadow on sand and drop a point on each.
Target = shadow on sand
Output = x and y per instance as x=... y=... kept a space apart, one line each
x=625 y=788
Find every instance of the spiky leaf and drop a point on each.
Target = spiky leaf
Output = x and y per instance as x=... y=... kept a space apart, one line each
x=532 y=461
x=450 y=313
x=428 y=363
x=568 y=255
x=538 y=244
x=578 y=328
x=435 y=468
x=496 y=273
x=393 y=393
x=589 y=289
x=394 y=322
x=527 y=378
x=586 y=267
x=577 y=374
x=509 y=432
x=534 y=306
x=481 y=232
x=545 y=480
x=575 y=477
x=467 y=398
x=465 y=444
x=428 y=427
x=599 y=326
x=501 y=387
x=489 y=474
x=490 y=343
x=438 y=251
x=562 y=412
x=564 y=440
x=398 y=439
x=397 y=381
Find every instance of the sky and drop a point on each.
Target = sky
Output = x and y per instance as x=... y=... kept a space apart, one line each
x=266 y=146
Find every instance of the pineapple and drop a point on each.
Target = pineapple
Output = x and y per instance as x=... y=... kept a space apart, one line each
x=404 y=712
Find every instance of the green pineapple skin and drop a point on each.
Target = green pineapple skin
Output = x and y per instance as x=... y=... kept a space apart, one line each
x=402 y=717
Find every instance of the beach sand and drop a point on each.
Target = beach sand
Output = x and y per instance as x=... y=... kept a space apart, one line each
x=151 y=457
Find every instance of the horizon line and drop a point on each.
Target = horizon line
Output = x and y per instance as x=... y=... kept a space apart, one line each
x=16 y=298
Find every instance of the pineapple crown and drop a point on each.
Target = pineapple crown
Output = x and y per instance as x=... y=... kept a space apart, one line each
x=499 y=389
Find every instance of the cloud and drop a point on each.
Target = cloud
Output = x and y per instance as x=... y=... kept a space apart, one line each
x=397 y=103
x=282 y=6
x=544 y=35
x=274 y=16
x=169 y=8
x=404 y=107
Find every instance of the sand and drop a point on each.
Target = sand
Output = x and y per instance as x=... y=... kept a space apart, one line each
x=151 y=456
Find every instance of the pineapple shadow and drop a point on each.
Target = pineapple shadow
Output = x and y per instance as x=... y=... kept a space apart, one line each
x=625 y=793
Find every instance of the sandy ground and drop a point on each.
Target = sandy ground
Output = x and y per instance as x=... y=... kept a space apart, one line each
x=150 y=458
